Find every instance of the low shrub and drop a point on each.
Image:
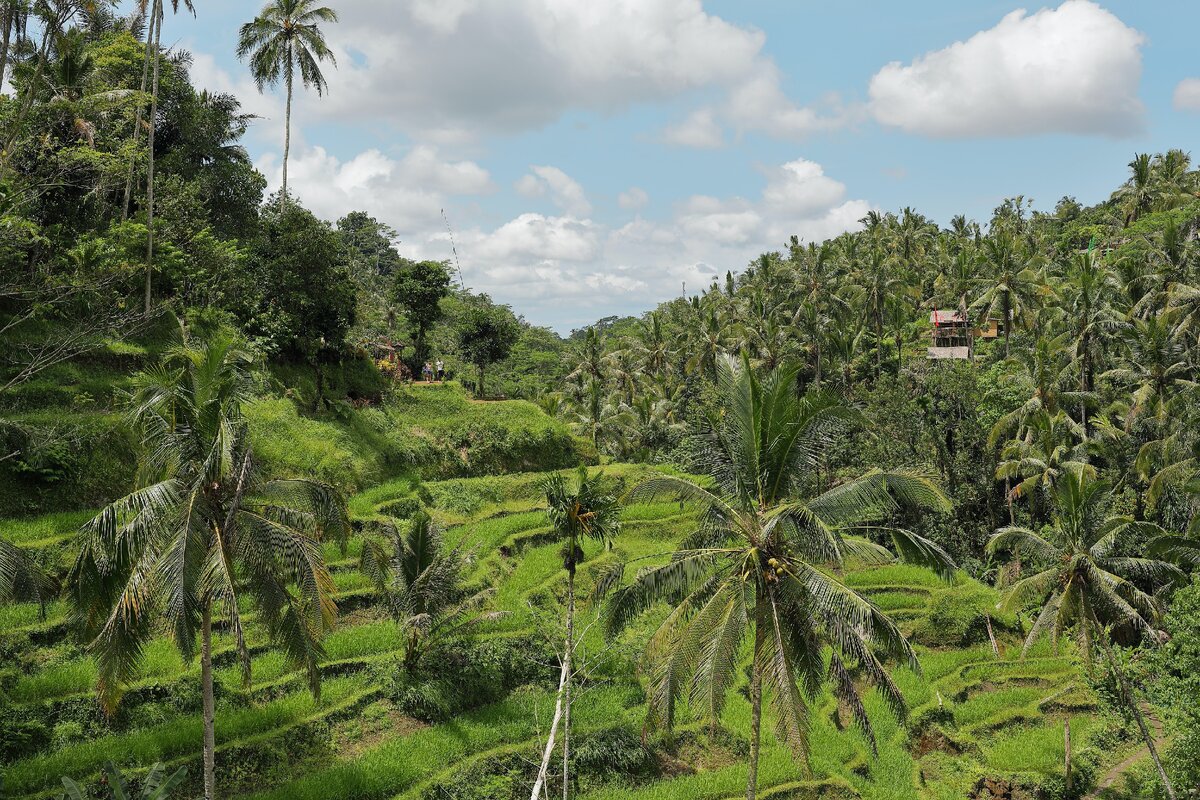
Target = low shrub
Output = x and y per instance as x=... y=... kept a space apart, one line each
x=402 y=508
x=465 y=677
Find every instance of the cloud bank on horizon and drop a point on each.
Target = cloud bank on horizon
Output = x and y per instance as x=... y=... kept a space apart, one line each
x=458 y=83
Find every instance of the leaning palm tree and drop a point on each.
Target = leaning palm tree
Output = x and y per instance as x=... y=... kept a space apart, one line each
x=760 y=564
x=424 y=588
x=1085 y=582
x=577 y=513
x=21 y=580
x=204 y=528
x=283 y=39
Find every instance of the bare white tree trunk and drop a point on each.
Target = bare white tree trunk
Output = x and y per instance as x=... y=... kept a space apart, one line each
x=540 y=783
x=991 y=636
x=1131 y=700
x=568 y=653
x=1067 y=752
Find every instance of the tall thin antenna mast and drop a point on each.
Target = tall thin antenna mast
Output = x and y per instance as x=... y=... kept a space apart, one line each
x=454 y=249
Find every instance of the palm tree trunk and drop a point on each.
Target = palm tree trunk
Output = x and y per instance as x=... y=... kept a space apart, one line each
x=878 y=344
x=1067 y=752
x=31 y=89
x=206 y=680
x=1131 y=701
x=287 y=136
x=1007 y=321
x=567 y=654
x=137 y=123
x=755 y=702
x=157 y=13
x=8 y=22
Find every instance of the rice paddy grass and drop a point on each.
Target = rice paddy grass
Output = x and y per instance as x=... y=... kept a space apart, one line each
x=999 y=711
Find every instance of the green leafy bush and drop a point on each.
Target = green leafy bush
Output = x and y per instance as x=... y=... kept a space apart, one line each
x=465 y=677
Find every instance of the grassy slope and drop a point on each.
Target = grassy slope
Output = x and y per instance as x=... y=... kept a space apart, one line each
x=982 y=715
x=436 y=432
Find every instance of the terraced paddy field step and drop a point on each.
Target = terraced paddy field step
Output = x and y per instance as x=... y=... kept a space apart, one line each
x=399 y=765
x=991 y=708
x=178 y=741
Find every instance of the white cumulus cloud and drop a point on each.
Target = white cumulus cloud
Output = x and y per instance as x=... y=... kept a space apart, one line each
x=700 y=130
x=633 y=198
x=449 y=70
x=565 y=191
x=566 y=270
x=407 y=193
x=1071 y=69
x=1187 y=95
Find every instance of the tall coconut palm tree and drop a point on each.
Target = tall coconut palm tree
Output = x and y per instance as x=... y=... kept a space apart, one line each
x=1014 y=285
x=1140 y=192
x=286 y=38
x=1044 y=373
x=204 y=528
x=578 y=513
x=1049 y=445
x=1156 y=370
x=1091 y=318
x=759 y=564
x=877 y=281
x=1085 y=584
x=656 y=355
x=1171 y=260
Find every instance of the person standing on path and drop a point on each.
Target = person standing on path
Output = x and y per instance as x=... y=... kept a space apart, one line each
x=427 y=372
x=441 y=371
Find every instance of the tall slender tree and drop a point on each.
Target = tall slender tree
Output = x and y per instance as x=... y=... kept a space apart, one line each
x=585 y=511
x=1015 y=284
x=156 y=21
x=13 y=17
x=286 y=38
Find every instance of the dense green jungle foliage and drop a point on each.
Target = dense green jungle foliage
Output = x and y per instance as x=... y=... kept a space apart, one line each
x=236 y=536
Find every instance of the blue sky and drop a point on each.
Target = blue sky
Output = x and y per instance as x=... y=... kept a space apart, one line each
x=592 y=157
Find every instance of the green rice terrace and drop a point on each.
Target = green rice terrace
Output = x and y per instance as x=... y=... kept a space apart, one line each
x=560 y=429
x=974 y=714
